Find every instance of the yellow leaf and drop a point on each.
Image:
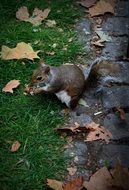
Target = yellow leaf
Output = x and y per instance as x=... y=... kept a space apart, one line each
x=21 y=51
x=10 y=85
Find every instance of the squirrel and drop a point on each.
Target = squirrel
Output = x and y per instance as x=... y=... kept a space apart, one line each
x=68 y=82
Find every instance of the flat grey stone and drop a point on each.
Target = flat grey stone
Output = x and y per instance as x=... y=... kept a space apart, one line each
x=107 y=154
x=118 y=127
x=82 y=119
x=122 y=8
x=81 y=148
x=83 y=29
x=116 y=26
x=111 y=153
x=116 y=48
x=115 y=96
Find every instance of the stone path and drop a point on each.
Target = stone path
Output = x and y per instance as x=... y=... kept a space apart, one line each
x=90 y=156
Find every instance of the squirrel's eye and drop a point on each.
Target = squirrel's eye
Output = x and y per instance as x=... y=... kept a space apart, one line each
x=39 y=78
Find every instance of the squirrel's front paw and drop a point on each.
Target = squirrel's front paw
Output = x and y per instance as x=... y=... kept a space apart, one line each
x=29 y=90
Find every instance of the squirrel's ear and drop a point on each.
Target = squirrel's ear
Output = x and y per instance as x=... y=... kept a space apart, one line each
x=41 y=63
x=47 y=70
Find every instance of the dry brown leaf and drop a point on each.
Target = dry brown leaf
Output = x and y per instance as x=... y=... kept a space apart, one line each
x=10 y=85
x=120 y=177
x=21 y=51
x=15 y=146
x=66 y=110
x=51 y=23
x=87 y=3
x=97 y=132
x=102 y=7
x=72 y=170
x=122 y=113
x=22 y=14
x=76 y=184
x=98 y=43
x=99 y=180
x=54 y=184
x=83 y=103
x=75 y=128
x=37 y=17
x=103 y=36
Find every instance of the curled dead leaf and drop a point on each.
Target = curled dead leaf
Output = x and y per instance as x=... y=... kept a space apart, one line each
x=120 y=176
x=98 y=43
x=11 y=85
x=15 y=146
x=122 y=113
x=83 y=103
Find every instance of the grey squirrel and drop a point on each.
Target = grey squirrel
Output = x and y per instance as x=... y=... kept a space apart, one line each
x=66 y=81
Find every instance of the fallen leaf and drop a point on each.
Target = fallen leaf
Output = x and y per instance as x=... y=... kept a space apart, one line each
x=21 y=51
x=60 y=29
x=76 y=159
x=51 y=23
x=103 y=36
x=87 y=3
x=120 y=177
x=99 y=180
x=72 y=170
x=122 y=113
x=15 y=146
x=22 y=14
x=50 y=53
x=54 y=45
x=94 y=131
x=65 y=111
x=83 y=103
x=98 y=43
x=97 y=132
x=10 y=85
x=54 y=184
x=70 y=39
x=67 y=129
x=102 y=7
x=76 y=184
x=37 y=17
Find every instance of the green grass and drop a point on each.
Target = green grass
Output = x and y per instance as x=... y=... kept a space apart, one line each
x=31 y=119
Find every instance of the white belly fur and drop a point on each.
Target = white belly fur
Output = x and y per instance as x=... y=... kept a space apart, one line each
x=64 y=97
